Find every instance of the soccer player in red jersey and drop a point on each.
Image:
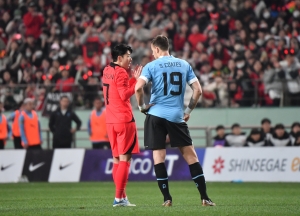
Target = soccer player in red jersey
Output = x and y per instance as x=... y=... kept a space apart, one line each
x=121 y=127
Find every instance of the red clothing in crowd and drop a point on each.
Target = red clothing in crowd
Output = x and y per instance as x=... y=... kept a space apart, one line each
x=225 y=57
x=33 y=24
x=179 y=42
x=65 y=85
x=195 y=38
x=160 y=5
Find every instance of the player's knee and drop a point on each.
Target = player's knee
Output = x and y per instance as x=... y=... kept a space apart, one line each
x=159 y=156
x=189 y=154
x=126 y=157
x=191 y=159
x=116 y=160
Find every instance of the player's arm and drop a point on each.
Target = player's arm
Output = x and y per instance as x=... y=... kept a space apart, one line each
x=22 y=130
x=40 y=131
x=9 y=134
x=139 y=92
x=11 y=117
x=125 y=88
x=197 y=92
x=89 y=126
x=51 y=123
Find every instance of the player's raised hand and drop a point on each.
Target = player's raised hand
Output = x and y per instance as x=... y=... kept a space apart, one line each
x=136 y=72
x=186 y=117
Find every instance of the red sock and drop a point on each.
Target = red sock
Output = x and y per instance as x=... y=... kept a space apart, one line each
x=121 y=178
x=124 y=193
x=114 y=171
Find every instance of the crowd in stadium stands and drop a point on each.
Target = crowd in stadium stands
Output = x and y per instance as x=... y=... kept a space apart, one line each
x=258 y=137
x=245 y=53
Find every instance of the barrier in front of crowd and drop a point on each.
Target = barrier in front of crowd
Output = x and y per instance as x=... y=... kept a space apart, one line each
x=50 y=92
x=268 y=164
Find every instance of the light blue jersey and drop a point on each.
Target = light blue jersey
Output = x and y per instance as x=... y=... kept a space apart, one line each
x=169 y=76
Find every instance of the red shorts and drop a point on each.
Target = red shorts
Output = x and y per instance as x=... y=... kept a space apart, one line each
x=123 y=138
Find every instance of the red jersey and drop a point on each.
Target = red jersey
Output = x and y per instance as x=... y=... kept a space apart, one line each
x=117 y=90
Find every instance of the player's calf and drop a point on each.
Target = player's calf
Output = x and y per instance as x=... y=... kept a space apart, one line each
x=162 y=180
x=198 y=177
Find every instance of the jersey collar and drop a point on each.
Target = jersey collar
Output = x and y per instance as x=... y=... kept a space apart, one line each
x=165 y=56
x=114 y=65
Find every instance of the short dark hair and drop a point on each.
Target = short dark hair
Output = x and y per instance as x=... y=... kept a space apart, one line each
x=295 y=124
x=255 y=131
x=64 y=96
x=279 y=126
x=220 y=127
x=235 y=125
x=265 y=120
x=120 y=50
x=161 y=41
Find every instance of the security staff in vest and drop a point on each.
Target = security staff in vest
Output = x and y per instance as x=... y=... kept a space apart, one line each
x=14 y=118
x=30 y=126
x=60 y=124
x=4 y=128
x=97 y=126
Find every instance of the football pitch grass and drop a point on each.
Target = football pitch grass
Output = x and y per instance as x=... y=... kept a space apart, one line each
x=96 y=199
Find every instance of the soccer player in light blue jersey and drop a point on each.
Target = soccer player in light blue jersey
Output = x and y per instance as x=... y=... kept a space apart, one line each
x=166 y=114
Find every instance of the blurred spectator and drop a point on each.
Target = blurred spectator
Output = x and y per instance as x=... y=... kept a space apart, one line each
x=291 y=66
x=280 y=137
x=90 y=87
x=266 y=129
x=97 y=126
x=273 y=84
x=65 y=84
x=297 y=141
x=33 y=21
x=256 y=139
x=180 y=38
x=53 y=75
x=215 y=93
x=60 y=124
x=295 y=129
x=14 y=118
x=137 y=30
x=236 y=138
x=76 y=49
x=219 y=69
x=219 y=139
x=14 y=25
x=14 y=55
x=219 y=52
x=205 y=73
x=196 y=36
x=5 y=131
x=30 y=126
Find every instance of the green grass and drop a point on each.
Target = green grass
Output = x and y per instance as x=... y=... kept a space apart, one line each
x=96 y=199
